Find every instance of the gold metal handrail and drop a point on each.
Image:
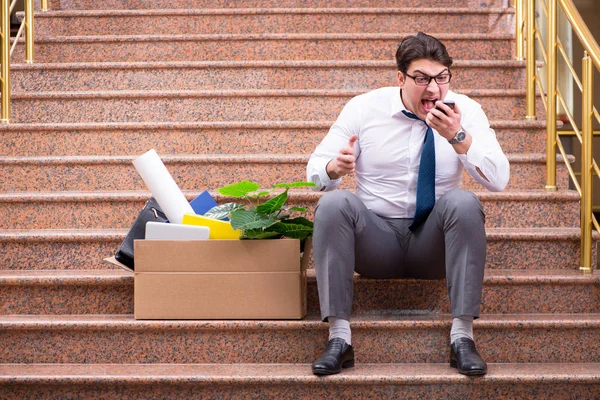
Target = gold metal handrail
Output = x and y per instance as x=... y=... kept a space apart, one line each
x=528 y=32
x=6 y=50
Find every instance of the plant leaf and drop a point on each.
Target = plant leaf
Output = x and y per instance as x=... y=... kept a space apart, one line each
x=300 y=209
x=249 y=219
x=259 y=194
x=300 y=221
x=295 y=184
x=260 y=234
x=274 y=204
x=239 y=189
x=297 y=228
x=222 y=211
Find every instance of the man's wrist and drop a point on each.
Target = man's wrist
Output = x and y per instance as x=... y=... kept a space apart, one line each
x=330 y=172
x=459 y=137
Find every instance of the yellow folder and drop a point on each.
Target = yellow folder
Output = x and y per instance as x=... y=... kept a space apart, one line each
x=218 y=229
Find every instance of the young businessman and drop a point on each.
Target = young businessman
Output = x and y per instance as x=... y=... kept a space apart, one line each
x=408 y=217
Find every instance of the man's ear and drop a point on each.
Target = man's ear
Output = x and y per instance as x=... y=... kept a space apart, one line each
x=401 y=79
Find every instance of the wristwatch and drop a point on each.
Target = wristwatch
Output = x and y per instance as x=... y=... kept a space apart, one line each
x=459 y=138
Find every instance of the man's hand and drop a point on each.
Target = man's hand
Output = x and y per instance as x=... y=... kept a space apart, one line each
x=448 y=124
x=345 y=161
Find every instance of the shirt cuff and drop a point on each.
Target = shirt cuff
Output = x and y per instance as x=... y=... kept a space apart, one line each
x=322 y=180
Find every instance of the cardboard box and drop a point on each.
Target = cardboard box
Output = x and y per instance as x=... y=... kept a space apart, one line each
x=220 y=279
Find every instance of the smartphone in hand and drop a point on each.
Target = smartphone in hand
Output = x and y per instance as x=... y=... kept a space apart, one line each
x=449 y=103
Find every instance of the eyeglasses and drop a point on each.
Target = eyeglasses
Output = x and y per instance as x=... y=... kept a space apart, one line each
x=425 y=80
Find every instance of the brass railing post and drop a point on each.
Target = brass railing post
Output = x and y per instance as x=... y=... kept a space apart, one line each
x=530 y=38
x=587 y=137
x=5 y=60
x=551 y=89
x=518 y=5
x=29 y=31
x=44 y=5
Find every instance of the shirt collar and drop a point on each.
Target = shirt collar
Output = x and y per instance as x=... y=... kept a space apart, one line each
x=396 y=105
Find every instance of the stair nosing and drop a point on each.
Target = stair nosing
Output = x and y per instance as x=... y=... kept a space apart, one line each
x=272 y=11
x=265 y=37
x=496 y=124
x=364 y=373
x=510 y=277
x=516 y=195
x=118 y=94
x=255 y=64
x=360 y=321
x=117 y=235
x=294 y=158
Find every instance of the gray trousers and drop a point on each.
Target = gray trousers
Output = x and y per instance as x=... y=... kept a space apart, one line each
x=348 y=237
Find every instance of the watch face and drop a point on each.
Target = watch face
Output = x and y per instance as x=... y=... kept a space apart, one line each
x=460 y=136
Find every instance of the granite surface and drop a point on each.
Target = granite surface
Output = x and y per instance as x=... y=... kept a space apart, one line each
x=504 y=292
x=357 y=46
x=195 y=172
x=247 y=21
x=229 y=137
x=225 y=105
x=201 y=4
x=295 y=381
x=245 y=75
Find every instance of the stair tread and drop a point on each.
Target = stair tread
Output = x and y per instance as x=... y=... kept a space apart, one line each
x=261 y=11
x=252 y=64
x=195 y=158
x=564 y=233
x=115 y=94
x=270 y=36
x=122 y=195
x=389 y=319
x=219 y=124
x=516 y=276
x=265 y=373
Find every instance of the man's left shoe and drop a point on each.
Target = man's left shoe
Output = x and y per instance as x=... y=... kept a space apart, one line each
x=464 y=357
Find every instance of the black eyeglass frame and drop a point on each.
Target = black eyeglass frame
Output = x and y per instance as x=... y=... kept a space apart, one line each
x=414 y=78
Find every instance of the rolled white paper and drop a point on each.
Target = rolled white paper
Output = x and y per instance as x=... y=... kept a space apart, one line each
x=163 y=187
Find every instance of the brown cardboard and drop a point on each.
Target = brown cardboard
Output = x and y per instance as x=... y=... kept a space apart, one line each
x=224 y=279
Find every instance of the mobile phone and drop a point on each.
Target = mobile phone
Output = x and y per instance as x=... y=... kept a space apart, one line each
x=449 y=103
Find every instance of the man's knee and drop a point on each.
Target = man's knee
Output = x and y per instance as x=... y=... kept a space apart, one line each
x=462 y=204
x=333 y=203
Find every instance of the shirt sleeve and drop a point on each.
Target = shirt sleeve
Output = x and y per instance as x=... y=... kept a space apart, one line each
x=346 y=125
x=485 y=152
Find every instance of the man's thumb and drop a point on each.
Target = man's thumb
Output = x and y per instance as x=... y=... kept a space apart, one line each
x=353 y=139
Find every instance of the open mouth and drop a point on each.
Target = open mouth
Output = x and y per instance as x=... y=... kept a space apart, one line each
x=428 y=104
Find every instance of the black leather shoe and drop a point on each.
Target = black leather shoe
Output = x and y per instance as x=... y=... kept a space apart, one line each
x=464 y=357
x=337 y=355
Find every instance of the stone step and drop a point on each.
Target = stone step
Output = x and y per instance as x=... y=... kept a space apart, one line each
x=241 y=381
x=275 y=20
x=247 y=75
x=61 y=292
x=225 y=105
x=93 y=173
x=69 y=249
x=235 y=137
x=106 y=210
x=379 y=338
x=329 y=46
x=202 y=4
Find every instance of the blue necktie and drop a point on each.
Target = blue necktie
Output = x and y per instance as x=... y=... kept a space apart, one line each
x=426 y=179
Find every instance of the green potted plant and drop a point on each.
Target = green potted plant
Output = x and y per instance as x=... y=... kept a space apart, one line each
x=263 y=216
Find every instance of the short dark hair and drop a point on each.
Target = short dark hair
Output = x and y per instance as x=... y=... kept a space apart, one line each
x=421 y=46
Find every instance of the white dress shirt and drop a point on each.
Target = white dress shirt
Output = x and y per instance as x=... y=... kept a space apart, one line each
x=388 y=151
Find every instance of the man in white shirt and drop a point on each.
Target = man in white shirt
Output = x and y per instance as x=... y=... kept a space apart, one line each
x=408 y=217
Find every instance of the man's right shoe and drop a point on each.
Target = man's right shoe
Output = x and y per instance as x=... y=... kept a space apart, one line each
x=337 y=355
